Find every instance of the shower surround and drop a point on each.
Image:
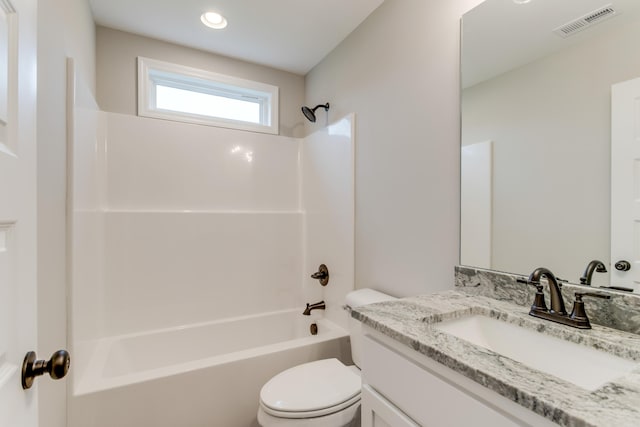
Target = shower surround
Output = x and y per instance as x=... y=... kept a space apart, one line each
x=176 y=225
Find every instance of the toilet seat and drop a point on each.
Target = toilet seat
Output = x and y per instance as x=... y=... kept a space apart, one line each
x=311 y=390
x=311 y=414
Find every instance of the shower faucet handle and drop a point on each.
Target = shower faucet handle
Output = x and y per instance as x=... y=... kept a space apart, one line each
x=322 y=275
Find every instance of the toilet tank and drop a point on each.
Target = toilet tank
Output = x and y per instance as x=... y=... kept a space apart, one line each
x=355 y=299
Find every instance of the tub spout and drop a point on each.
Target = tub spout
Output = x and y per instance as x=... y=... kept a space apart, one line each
x=317 y=306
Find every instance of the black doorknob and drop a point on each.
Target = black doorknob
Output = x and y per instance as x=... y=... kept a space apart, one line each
x=623 y=265
x=57 y=367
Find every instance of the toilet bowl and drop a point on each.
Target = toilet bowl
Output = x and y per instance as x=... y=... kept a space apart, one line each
x=324 y=393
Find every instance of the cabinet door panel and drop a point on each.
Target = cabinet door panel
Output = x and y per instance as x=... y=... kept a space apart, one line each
x=378 y=412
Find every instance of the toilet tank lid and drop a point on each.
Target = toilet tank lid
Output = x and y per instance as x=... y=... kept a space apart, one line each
x=366 y=296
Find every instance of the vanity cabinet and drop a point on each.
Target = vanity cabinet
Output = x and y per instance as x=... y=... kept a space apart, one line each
x=403 y=388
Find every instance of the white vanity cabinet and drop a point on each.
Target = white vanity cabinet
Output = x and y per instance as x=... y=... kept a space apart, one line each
x=403 y=388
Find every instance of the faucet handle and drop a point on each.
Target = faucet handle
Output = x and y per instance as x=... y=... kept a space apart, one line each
x=578 y=314
x=579 y=295
x=322 y=275
x=535 y=283
x=539 y=303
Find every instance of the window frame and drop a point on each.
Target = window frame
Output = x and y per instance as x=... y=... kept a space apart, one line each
x=151 y=72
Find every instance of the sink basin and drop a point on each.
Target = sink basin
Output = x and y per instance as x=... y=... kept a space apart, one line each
x=583 y=366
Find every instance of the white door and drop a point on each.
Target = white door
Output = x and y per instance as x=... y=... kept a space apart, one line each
x=625 y=184
x=476 y=199
x=18 y=408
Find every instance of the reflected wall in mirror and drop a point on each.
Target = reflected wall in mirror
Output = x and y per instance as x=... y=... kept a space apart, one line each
x=537 y=105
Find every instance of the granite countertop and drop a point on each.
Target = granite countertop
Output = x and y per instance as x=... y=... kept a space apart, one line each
x=410 y=321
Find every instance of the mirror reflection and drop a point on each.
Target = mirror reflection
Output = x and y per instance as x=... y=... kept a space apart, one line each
x=536 y=136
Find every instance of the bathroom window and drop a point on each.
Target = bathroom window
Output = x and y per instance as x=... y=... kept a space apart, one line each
x=175 y=92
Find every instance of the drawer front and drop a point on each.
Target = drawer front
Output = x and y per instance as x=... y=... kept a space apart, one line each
x=423 y=396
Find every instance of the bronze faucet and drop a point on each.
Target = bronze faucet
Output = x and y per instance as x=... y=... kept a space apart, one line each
x=317 y=306
x=594 y=265
x=557 y=313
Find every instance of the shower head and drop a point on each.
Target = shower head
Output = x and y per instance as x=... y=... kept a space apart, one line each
x=310 y=113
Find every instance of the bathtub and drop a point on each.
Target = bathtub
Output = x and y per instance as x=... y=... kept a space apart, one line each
x=207 y=374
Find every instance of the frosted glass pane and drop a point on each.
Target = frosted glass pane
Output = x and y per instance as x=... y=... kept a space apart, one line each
x=185 y=101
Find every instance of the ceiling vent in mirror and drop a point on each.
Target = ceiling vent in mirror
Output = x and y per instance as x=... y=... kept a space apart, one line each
x=585 y=21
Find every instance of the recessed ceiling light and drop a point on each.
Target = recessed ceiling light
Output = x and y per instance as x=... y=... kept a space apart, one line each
x=213 y=20
x=521 y=1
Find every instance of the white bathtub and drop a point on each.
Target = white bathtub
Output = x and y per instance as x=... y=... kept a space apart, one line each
x=200 y=375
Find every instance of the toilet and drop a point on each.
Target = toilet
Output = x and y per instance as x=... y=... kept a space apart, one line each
x=324 y=393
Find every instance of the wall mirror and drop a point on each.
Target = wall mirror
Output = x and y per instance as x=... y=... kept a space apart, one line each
x=536 y=156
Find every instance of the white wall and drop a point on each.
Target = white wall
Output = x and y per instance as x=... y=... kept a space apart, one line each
x=65 y=28
x=200 y=223
x=551 y=126
x=327 y=165
x=116 y=74
x=155 y=164
x=176 y=223
x=86 y=201
x=399 y=71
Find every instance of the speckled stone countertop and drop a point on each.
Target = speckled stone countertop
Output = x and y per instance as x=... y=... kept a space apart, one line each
x=410 y=321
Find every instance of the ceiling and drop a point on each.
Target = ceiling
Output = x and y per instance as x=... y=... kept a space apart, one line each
x=291 y=35
x=500 y=35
